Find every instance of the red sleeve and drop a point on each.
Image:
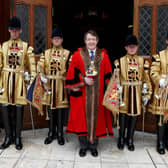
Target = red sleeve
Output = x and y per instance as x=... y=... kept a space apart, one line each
x=108 y=69
x=74 y=76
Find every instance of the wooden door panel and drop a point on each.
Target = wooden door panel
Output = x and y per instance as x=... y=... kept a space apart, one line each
x=153 y=9
x=4 y=20
x=32 y=6
x=154 y=5
x=36 y=21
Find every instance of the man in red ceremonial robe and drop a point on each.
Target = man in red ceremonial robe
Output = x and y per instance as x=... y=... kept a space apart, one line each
x=88 y=73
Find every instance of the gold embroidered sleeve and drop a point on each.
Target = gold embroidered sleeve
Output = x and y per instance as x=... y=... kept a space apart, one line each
x=40 y=64
x=31 y=62
x=147 y=78
x=155 y=69
x=68 y=61
x=1 y=58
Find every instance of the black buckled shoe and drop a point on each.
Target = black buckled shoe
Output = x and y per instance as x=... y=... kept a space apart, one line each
x=161 y=148
x=130 y=145
x=94 y=152
x=7 y=142
x=121 y=143
x=82 y=152
x=48 y=140
x=61 y=140
x=18 y=143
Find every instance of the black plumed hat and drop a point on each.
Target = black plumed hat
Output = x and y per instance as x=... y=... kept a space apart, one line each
x=15 y=23
x=56 y=32
x=131 y=40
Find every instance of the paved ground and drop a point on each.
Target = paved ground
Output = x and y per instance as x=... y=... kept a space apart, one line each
x=37 y=155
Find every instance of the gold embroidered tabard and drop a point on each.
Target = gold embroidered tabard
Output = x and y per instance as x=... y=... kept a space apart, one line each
x=159 y=68
x=132 y=74
x=15 y=53
x=15 y=56
x=54 y=65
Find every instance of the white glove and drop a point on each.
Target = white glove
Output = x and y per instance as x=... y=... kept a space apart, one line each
x=2 y=90
x=119 y=88
x=75 y=89
x=162 y=82
x=145 y=101
x=43 y=79
x=27 y=76
x=28 y=87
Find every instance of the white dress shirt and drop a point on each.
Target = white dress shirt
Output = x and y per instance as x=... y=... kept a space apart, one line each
x=94 y=51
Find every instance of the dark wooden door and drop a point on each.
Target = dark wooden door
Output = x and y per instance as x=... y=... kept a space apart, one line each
x=4 y=20
x=150 y=26
x=36 y=19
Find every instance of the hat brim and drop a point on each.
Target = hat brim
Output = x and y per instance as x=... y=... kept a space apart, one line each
x=131 y=44
x=57 y=36
x=14 y=28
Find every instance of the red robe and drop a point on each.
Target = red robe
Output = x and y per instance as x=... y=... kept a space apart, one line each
x=81 y=100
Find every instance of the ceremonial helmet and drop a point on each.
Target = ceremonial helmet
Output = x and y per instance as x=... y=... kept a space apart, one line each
x=14 y=23
x=57 y=32
x=131 y=40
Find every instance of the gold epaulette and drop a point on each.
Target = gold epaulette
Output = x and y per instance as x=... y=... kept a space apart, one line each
x=156 y=58
x=30 y=50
